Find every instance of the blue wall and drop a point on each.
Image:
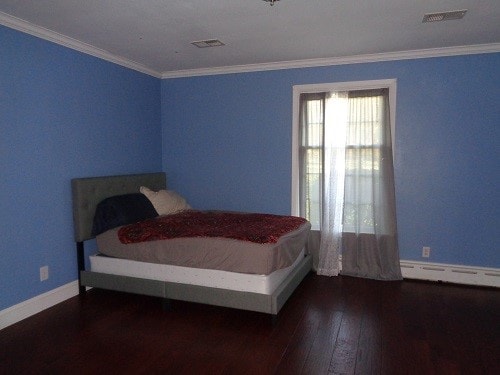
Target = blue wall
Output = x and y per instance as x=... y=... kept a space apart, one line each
x=227 y=144
x=63 y=114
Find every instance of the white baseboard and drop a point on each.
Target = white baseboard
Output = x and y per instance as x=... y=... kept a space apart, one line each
x=451 y=273
x=410 y=269
x=37 y=304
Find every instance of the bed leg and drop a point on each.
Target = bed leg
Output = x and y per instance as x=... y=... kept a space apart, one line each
x=274 y=319
x=81 y=265
x=165 y=304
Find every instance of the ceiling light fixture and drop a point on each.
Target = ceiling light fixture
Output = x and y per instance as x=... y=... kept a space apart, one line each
x=271 y=2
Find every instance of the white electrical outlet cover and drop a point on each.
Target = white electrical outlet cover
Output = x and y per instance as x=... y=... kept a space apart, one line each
x=44 y=273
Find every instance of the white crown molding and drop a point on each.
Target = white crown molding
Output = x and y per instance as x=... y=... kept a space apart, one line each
x=40 y=32
x=359 y=59
x=29 y=28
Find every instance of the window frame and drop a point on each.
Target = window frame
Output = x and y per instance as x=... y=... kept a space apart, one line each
x=390 y=84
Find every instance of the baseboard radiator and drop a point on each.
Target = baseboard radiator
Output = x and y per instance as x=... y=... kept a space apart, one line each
x=450 y=273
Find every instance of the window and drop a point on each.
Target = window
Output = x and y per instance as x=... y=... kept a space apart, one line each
x=363 y=142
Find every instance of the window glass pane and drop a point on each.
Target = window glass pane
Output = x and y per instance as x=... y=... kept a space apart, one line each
x=365 y=118
x=360 y=214
x=313 y=128
x=313 y=162
x=362 y=159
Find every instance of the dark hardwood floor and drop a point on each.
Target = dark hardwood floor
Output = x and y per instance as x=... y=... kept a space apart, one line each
x=337 y=325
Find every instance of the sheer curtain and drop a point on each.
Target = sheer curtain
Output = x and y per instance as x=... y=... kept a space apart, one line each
x=335 y=126
x=369 y=240
x=347 y=182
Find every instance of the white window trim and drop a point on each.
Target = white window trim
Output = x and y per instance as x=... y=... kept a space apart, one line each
x=391 y=84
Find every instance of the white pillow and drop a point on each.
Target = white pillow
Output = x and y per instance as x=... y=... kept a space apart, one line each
x=165 y=202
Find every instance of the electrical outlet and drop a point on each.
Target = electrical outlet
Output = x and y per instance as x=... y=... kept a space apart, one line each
x=44 y=273
x=426 y=252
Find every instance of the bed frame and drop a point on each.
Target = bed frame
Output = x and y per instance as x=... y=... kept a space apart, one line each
x=88 y=192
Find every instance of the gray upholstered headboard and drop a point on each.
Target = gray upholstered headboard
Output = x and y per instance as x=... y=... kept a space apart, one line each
x=88 y=192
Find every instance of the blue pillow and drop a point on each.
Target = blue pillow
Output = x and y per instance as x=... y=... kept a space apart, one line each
x=121 y=210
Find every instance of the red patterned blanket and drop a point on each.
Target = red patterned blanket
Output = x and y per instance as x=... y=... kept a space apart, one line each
x=258 y=228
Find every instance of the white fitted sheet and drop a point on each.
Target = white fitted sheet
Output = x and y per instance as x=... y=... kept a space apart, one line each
x=263 y=284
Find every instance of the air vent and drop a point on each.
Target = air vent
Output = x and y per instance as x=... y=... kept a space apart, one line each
x=207 y=43
x=444 y=16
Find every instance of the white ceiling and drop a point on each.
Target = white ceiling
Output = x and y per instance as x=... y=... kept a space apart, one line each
x=155 y=35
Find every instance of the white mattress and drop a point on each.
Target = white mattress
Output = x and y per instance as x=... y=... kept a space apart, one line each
x=263 y=284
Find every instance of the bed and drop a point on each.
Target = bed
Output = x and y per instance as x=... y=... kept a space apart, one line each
x=265 y=291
